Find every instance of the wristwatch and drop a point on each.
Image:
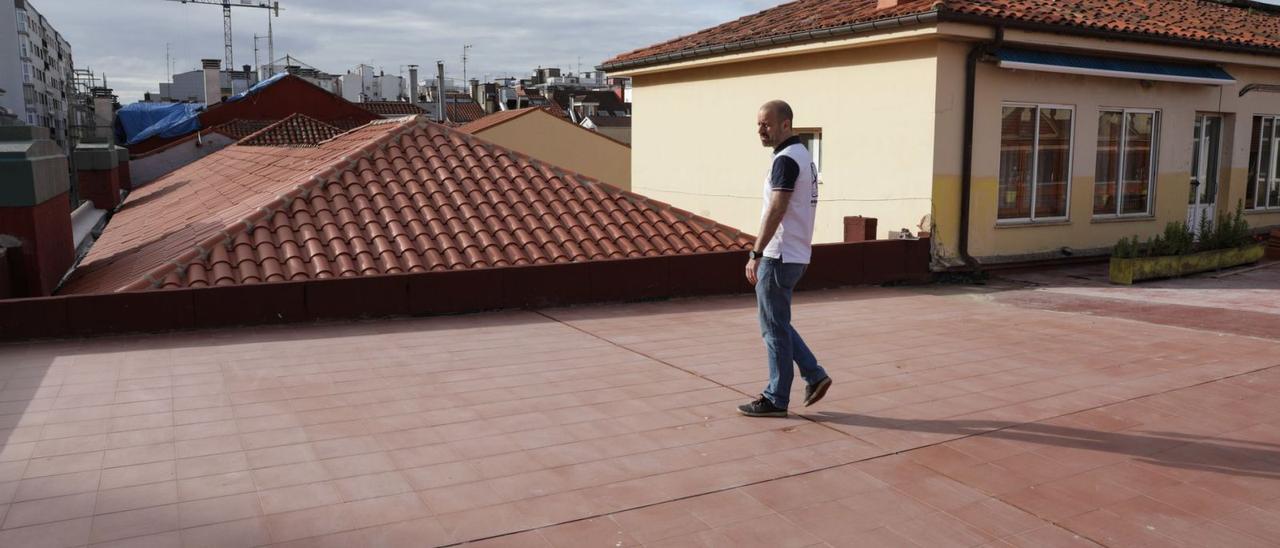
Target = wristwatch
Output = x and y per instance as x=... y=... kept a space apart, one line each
x=753 y=255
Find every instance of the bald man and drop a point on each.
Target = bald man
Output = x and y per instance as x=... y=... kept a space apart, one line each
x=778 y=260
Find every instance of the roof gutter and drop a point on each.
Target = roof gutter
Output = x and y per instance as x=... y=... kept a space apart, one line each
x=918 y=19
x=953 y=17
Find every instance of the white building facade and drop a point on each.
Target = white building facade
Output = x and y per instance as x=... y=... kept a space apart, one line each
x=36 y=70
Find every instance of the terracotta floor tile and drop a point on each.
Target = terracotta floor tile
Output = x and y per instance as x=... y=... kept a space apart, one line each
x=64 y=534
x=217 y=485
x=440 y=475
x=595 y=532
x=658 y=522
x=136 y=497
x=311 y=522
x=217 y=510
x=726 y=507
x=64 y=464
x=134 y=523
x=138 y=474
x=372 y=486
x=298 y=497
x=769 y=530
x=54 y=486
x=245 y=532
x=221 y=463
x=457 y=498
x=940 y=529
x=356 y=465
x=171 y=539
x=290 y=474
x=418 y=532
x=35 y=512
x=527 y=539
x=481 y=523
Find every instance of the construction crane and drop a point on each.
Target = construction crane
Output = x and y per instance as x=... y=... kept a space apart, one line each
x=272 y=5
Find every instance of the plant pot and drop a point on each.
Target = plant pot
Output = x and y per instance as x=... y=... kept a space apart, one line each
x=1127 y=271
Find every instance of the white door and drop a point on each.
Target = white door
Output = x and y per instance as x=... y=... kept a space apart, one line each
x=1205 y=157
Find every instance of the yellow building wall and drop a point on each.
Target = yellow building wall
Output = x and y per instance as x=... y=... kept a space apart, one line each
x=544 y=137
x=1178 y=105
x=695 y=144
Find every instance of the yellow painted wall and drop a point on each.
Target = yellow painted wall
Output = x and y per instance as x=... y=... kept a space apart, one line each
x=557 y=142
x=1178 y=103
x=695 y=144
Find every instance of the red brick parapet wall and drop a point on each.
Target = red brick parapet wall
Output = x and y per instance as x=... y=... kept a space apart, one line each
x=437 y=293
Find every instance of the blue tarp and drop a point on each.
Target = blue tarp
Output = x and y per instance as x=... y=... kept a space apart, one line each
x=142 y=121
x=257 y=87
x=1113 y=66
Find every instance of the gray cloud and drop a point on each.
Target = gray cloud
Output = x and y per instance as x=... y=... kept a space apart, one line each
x=125 y=39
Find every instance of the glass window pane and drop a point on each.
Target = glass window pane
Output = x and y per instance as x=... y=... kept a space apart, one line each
x=1213 y=151
x=1053 y=162
x=1264 y=167
x=1274 y=193
x=1195 y=160
x=1017 y=138
x=1110 y=125
x=1138 y=155
x=1255 y=147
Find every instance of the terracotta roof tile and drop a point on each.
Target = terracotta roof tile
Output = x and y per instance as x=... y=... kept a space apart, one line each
x=298 y=130
x=1212 y=23
x=464 y=112
x=239 y=129
x=393 y=196
x=392 y=108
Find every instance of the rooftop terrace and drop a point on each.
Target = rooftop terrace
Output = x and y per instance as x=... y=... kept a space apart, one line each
x=960 y=416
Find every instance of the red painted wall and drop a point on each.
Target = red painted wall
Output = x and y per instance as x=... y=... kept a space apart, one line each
x=47 y=244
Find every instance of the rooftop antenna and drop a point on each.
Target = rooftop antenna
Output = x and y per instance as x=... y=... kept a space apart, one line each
x=465 y=49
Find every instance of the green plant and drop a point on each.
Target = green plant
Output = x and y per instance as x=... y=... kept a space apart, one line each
x=1125 y=249
x=1231 y=230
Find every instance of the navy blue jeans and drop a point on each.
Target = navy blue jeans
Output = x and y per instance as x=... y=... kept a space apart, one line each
x=775 y=282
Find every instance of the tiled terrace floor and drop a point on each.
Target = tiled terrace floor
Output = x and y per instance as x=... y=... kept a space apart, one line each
x=957 y=419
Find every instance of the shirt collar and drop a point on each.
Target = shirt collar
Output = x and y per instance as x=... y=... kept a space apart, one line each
x=794 y=140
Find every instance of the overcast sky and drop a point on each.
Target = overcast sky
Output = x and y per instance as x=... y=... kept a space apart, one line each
x=126 y=38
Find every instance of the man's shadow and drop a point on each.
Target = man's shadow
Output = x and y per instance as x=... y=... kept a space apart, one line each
x=1186 y=451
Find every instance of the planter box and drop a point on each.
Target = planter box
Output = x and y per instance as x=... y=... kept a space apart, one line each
x=1127 y=271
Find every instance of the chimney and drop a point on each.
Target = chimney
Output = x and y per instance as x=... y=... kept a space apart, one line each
x=103 y=115
x=475 y=90
x=413 y=84
x=35 y=209
x=885 y=4
x=440 y=114
x=212 y=80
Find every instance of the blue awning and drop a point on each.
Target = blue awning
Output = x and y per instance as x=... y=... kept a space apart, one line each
x=1090 y=65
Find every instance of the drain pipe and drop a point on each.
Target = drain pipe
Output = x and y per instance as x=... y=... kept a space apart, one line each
x=966 y=170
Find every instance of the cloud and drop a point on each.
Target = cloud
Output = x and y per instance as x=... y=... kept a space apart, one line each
x=126 y=38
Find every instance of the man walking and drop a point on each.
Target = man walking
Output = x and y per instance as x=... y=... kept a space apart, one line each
x=779 y=259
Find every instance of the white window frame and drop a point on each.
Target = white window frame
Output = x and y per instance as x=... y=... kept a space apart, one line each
x=816 y=152
x=1035 y=165
x=1154 y=171
x=1261 y=192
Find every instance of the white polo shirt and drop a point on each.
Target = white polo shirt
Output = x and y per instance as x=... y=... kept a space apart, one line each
x=793 y=172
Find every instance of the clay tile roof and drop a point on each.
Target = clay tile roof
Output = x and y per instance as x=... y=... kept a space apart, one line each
x=239 y=129
x=390 y=197
x=464 y=112
x=1223 y=24
x=495 y=119
x=392 y=108
x=298 y=130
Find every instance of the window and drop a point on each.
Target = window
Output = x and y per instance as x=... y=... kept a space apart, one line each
x=1263 y=191
x=1125 y=177
x=812 y=139
x=1035 y=162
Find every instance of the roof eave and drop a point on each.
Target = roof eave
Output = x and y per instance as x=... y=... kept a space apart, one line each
x=917 y=19
x=954 y=17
